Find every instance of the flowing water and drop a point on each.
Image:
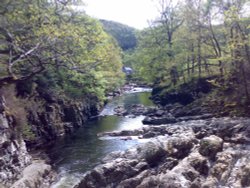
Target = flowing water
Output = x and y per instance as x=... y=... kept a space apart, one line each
x=81 y=151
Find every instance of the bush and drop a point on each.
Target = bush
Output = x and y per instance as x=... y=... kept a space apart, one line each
x=27 y=132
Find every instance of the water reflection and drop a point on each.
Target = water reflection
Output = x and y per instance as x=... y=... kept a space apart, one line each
x=127 y=100
x=74 y=154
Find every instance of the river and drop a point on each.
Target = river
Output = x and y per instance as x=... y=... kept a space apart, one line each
x=82 y=150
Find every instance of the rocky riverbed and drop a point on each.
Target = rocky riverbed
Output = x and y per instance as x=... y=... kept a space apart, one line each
x=195 y=153
x=18 y=168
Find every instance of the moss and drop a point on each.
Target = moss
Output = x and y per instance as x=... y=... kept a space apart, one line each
x=27 y=132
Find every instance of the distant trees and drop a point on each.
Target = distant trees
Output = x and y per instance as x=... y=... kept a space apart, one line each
x=125 y=35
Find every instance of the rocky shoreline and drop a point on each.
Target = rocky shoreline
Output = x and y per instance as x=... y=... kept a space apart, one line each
x=195 y=153
x=164 y=115
x=26 y=129
x=189 y=146
x=18 y=167
x=49 y=116
x=185 y=147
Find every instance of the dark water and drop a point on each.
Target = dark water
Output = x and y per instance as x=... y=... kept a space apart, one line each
x=74 y=154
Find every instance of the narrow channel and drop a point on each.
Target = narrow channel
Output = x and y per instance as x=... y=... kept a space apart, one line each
x=81 y=151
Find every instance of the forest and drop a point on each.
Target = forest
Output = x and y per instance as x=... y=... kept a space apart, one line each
x=187 y=94
x=50 y=43
x=196 y=39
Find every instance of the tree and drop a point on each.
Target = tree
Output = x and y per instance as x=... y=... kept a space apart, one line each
x=170 y=20
x=49 y=36
x=36 y=34
x=238 y=43
x=29 y=35
x=210 y=39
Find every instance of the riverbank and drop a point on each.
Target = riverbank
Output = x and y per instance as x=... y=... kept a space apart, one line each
x=29 y=123
x=18 y=167
x=188 y=144
x=197 y=153
x=82 y=150
x=202 y=95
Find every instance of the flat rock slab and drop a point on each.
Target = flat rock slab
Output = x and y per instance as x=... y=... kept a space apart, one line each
x=33 y=175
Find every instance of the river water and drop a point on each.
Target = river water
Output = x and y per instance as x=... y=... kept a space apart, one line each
x=81 y=151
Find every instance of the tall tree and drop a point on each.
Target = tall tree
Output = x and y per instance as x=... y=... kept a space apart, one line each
x=169 y=20
x=50 y=36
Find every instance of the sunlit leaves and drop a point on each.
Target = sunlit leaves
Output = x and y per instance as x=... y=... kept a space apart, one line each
x=51 y=35
x=212 y=35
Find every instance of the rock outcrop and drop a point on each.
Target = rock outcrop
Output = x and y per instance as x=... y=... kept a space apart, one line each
x=37 y=174
x=196 y=153
x=57 y=119
x=50 y=116
x=210 y=146
x=15 y=161
x=38 y=120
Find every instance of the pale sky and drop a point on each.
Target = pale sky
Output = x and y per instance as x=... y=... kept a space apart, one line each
x=135 y=13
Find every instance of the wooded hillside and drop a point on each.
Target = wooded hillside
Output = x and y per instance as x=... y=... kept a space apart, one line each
x=125 y=35
x=195 y=39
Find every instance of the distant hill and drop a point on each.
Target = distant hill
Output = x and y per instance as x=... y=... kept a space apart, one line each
x=125 y=35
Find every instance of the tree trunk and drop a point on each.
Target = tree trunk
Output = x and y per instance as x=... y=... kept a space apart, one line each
x=192 y=58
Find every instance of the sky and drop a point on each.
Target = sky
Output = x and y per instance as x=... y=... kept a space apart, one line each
x=135 y=13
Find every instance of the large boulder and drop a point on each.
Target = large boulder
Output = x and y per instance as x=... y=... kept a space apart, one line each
x=179 y=147
x=210 y=146
x=151 y=152
x=110 y=174
x=34 y=175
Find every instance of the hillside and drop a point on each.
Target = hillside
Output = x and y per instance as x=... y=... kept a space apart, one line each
x=125 y=35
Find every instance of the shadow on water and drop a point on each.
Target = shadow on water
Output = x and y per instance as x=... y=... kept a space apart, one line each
x=81 y=151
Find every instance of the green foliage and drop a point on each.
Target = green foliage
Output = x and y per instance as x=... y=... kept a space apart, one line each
x=152 y=61
x=60 y=48
x=196 y=48
x=27 y=132
x=124 y=34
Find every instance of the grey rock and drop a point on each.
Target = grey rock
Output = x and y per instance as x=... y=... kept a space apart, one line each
x=150 y=134
x=109 y=174
x=121 y=111
x=210 y=182
x=159 y=120
x=200 y=164
x=159 y=113
x=33 y=175
x=190 y=175
x=210 y=146
x=3 y=122
x=151 y=152
x=196 y=183
x=245 y=181
x=180 y=158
